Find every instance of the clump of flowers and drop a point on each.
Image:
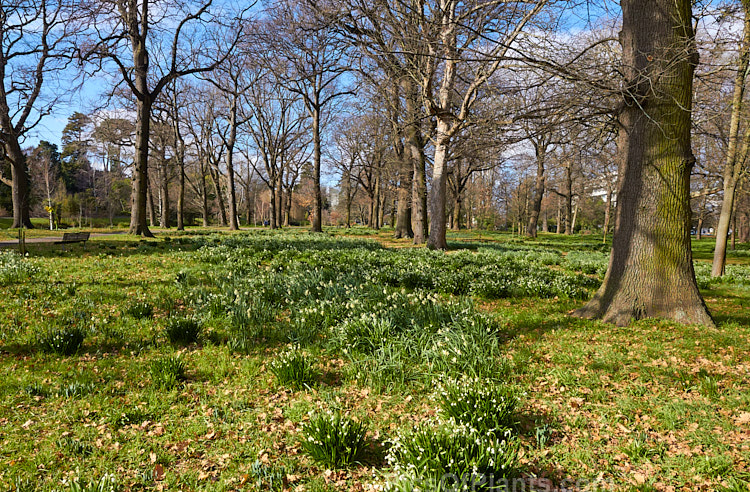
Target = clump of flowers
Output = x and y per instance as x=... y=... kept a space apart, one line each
x=334 y=439
x=443 y=456
x=63 y=340
x=294 y=368
x=479 y=403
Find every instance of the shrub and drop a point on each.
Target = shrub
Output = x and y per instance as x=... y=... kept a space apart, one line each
x=334 y=439
x=63 y=340
x=168 y=372
x=294 y=368
x=140 y=310
x=478 y=403
x=448 y=456
x=183 y=331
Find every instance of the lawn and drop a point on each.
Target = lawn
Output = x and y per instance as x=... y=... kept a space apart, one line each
x=351 y=361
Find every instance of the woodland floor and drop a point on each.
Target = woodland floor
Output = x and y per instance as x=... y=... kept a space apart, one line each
x=655 y=406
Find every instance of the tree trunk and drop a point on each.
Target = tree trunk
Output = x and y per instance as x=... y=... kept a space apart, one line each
x=287 y=207
x=204 y=195
x=650 y=270
x=216 y=178
x=272 y=203
x=138 y=216
x=280 y=203
x=569 y=199
x=164 y=194
x=317 y=221
x=607 y=214
x=403 y=208
x=151 y=206
x=20 y=184
x=457 y=213
x=536 y=201
x=181 y=190
x=735 y=158
x=439 y=185
x=375 y=211
x=415 y=146
x=233 y=225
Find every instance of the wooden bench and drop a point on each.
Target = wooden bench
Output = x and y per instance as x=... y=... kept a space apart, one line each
x=74 y=237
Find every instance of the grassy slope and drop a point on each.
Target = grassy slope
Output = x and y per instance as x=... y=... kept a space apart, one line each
x=651 y=407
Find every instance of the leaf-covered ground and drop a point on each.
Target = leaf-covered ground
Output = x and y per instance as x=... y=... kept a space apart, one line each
x=655 y=406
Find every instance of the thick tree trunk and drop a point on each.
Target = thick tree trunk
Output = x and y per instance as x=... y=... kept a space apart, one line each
x=650 y=270
x=20 y=193
x=536 y=200
x=439 y=186
x=138 y=215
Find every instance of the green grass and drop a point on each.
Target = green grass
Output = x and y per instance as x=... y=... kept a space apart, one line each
x=159 y=402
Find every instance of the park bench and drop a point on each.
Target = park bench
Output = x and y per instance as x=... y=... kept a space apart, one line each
x=74 y=237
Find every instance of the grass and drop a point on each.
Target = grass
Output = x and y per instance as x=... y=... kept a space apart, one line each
x=148 y=400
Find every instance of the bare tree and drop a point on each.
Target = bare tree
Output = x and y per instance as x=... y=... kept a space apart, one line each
x=35 y=42
x=277 y=130
x=151 y=43
x=738 y=148
x=315 y=62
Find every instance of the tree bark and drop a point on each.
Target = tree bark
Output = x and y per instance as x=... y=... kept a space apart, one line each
x=650 y=270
